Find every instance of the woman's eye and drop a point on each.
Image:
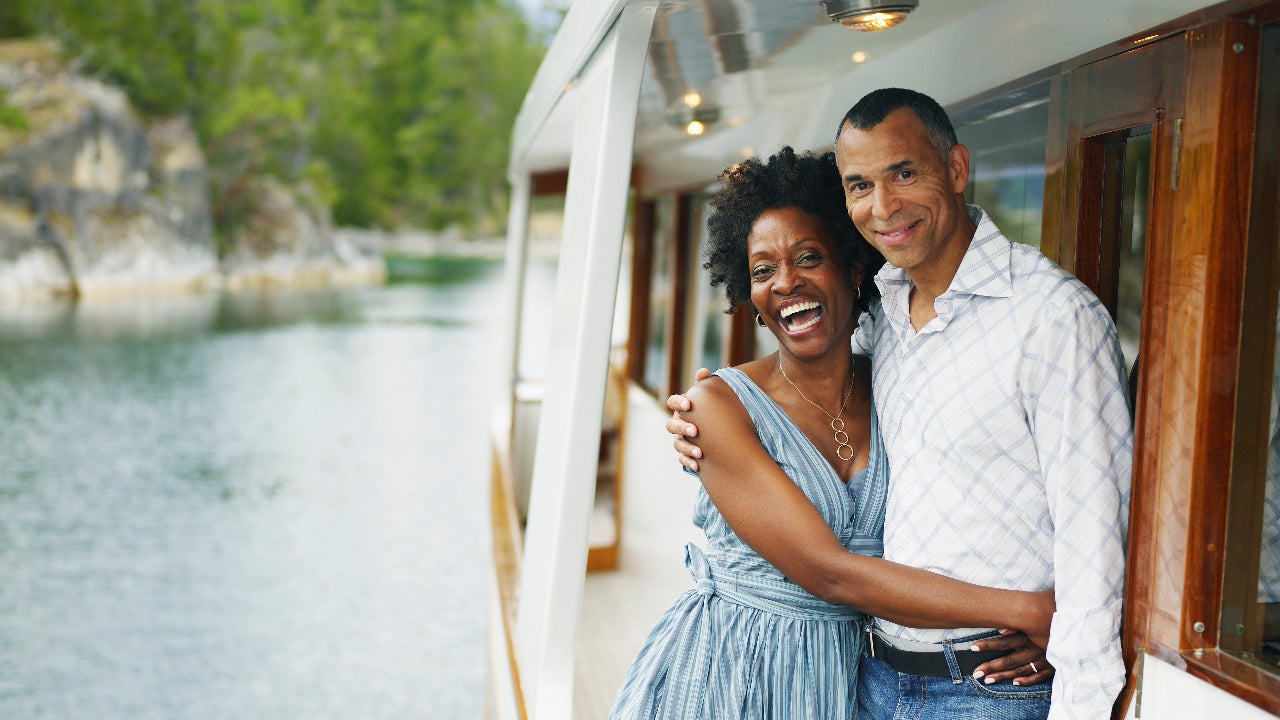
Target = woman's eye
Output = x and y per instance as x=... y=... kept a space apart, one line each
x=810 y=259
x=761 y=273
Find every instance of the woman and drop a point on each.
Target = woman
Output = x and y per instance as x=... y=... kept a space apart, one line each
x=793 y=481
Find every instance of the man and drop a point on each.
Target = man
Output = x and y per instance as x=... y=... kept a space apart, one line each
x=1000 y=388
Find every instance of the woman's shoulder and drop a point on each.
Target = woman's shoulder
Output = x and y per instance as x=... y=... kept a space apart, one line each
x=710 y=397
x=721 y=396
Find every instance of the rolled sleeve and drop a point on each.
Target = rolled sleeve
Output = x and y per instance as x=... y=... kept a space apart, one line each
x=1084 y=434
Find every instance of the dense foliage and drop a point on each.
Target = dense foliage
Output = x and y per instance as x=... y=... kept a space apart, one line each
x=398 y=112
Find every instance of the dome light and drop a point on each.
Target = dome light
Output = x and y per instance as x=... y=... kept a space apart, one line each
x=869 y=15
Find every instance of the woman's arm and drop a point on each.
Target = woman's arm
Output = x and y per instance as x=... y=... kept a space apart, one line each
x=766 y=509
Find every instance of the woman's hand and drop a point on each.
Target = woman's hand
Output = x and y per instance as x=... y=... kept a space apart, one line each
x=688 y=452
x=1039 y=616
x=1025 y=664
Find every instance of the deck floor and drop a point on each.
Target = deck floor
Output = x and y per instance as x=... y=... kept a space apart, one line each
x=621 y=606
x=619 y=609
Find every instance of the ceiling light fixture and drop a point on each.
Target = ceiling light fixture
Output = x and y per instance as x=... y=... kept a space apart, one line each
x=869 y=15
x=694 y=121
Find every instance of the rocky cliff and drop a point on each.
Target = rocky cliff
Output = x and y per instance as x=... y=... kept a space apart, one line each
x=95 y=200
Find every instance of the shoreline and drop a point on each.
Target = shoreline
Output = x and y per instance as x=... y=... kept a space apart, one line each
x=420 y=245
x=373 y=252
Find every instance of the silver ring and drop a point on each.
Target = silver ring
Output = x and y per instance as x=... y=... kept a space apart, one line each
x=1033 y=669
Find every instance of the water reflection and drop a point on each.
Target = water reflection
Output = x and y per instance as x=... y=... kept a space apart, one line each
x=250 y=506
x=110 y=319
x=189 y=315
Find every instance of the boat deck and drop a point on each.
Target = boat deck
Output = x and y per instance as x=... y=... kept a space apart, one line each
x=621 y=606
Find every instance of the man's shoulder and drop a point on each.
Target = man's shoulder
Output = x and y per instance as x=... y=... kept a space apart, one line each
x=1038 y=280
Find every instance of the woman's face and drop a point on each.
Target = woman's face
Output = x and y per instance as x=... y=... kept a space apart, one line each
x=799 y=284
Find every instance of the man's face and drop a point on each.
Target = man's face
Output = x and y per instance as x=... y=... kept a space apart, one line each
x=902 y=197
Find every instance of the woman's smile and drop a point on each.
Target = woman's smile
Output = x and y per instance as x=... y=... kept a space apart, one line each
x=802 y=315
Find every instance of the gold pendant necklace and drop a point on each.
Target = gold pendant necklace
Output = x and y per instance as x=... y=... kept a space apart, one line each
x=837 y=420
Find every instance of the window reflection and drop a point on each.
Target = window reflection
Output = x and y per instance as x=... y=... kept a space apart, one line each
x=1006 y=162
x=1269 y=557
x=537 y=302
x=661 y=295
x=710 y=323
x=1250 y=617
x=1132 y=246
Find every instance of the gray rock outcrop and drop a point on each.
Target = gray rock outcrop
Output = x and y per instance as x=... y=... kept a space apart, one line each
x=288 y=239
x=96 y=201
x=92 y=202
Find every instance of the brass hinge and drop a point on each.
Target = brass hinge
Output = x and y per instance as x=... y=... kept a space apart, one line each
x=1177 y=153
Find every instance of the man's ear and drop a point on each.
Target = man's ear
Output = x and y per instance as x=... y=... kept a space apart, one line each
x=958 y=166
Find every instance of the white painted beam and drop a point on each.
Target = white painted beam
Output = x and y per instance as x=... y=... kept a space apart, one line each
x=513 y=276
x=579 y=35
x=564 y=473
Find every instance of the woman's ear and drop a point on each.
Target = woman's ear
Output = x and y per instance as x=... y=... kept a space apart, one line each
x=857 y=273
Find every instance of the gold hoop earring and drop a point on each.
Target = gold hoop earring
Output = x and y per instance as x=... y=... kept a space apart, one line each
x=857 y=292
x=760 y=321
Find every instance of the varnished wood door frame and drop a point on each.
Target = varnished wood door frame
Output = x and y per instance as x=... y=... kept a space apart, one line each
x=1197 y=89
x=1090 y=107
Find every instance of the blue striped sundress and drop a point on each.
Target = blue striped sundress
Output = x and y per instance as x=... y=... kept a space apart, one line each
x=747 y=642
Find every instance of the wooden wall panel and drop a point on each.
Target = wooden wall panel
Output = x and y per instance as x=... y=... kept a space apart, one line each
x=1187 y=517
x=1197 y=89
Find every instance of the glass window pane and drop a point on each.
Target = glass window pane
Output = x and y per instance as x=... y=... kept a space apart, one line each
x=1269 y=556
x=1131 y=252
x=537 y=303
x=710 y=323
x=661 y=294
x=1006 y=163
x=1250 y=621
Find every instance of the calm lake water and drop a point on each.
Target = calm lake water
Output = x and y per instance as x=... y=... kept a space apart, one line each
x=248 y=506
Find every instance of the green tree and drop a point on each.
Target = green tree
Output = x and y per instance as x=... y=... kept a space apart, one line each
x=398 y=112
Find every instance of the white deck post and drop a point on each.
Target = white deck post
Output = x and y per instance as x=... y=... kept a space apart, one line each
x=513 y=276
x=554 y=566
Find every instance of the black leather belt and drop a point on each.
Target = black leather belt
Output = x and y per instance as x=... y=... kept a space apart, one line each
x=931 y=663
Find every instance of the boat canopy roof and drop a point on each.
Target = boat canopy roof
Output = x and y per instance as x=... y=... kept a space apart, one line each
x=769 y=73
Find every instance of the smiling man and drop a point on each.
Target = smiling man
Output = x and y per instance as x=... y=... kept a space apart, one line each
x=1001 y=392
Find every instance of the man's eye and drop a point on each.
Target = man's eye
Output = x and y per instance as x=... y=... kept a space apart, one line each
x=906 y=174
x=859 y=188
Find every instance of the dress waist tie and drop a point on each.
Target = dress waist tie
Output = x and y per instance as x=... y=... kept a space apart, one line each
x=746 y=579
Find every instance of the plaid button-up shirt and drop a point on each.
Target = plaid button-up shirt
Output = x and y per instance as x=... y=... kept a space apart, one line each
x=1010 y=445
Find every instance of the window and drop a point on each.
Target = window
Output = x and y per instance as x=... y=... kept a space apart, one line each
x=661 y=294
x=1006 y=141
x=709 y=323
x=1250 y=621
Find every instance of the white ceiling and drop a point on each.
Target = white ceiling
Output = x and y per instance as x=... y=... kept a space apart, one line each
x=779 y=72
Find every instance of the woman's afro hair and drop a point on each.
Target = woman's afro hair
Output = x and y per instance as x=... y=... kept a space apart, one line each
x=809 y=182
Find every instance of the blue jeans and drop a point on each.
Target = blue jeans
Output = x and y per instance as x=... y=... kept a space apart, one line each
x=886 y=694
